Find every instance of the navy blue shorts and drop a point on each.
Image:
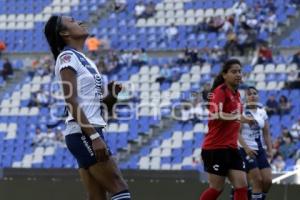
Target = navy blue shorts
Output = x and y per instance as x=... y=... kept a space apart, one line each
x=81 y=148
x=260 y=161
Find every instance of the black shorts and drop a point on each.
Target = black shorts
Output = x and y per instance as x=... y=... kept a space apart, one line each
x=81 y=148
x=220 y=161
x=260 y=161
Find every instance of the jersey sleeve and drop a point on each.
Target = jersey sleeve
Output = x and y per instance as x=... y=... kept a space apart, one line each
x=264 y=114
x=217 y=101
x=67 y=59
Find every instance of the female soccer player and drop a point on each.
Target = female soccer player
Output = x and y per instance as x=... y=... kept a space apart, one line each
x=253 y=152
x=83 y=91
x=220 y=149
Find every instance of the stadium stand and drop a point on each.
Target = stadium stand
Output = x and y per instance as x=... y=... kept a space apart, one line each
x=23 y=109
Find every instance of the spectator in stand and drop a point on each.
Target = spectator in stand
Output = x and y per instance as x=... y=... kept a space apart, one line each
x=239 y=8
x=120 y=5
x=296 y=59
x=278 y=163
x=165 y=74
x=171 y=32
x=251 y=40
x=270 y=23
x=202 y=25
x=293 y=76
x=39 y=99
x=136 y=58
x=39 y=138
x=59 y=138
x=270 y=6
x=186 y=112
x=113 y=61
x=284 y=105
x=288 y=148
x=149 y=10
x=279 y=140
x=265 y=54
x=42 y=99
x=199 y=110
x=143 y=57
x=216 y=55
x=215 y=24
x=33 y=102
x=295 y=131
x=101 y=65
x=257 y=8
x=193 y=56
x=206 y=92
x=49 y=138
x=204 y=55
x=7 y=69
x=293 y=80
x=295 y=3
x=125 y=58
x=93 y=44
x=2 y=48
x=272 y=105
x=279 y=58
x=227 y=25
x=139 y=9
x=231 y=43
x=242 y=37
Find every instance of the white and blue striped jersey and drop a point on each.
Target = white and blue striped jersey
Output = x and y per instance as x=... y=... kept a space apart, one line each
x=89 y=87
x=253 y=135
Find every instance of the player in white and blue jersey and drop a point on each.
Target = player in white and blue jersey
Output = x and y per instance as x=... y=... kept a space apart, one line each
x=255 y=146
x=83 y=90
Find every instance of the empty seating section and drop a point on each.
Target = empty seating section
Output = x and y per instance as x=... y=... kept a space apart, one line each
x=292 y=40
x=22 y=22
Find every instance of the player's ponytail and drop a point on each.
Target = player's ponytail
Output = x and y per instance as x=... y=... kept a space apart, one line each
x=51 y=31
x=219 y=78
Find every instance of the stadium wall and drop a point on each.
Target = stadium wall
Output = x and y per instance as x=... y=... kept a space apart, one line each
x=61 y=184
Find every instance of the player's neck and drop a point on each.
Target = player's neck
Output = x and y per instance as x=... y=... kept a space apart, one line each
x=77 y=45
x=252 y=107
x=231 y=87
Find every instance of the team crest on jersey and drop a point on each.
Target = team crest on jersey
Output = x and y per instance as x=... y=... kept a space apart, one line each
x=66 y=58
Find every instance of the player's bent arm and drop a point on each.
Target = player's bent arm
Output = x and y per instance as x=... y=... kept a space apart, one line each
x=68 y=76
x=247 y=149
x=242 y=141
x=111 y=98
x=110 y=101
x=267 y=137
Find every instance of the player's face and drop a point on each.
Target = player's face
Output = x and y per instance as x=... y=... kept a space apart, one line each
x=72 y=28
x=251 y=96
x=233 y=76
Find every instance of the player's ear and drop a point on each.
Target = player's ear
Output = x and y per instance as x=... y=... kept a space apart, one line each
x=223 y=75
x=64 y=33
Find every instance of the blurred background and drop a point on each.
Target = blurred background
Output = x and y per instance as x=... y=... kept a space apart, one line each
x=166 y=53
